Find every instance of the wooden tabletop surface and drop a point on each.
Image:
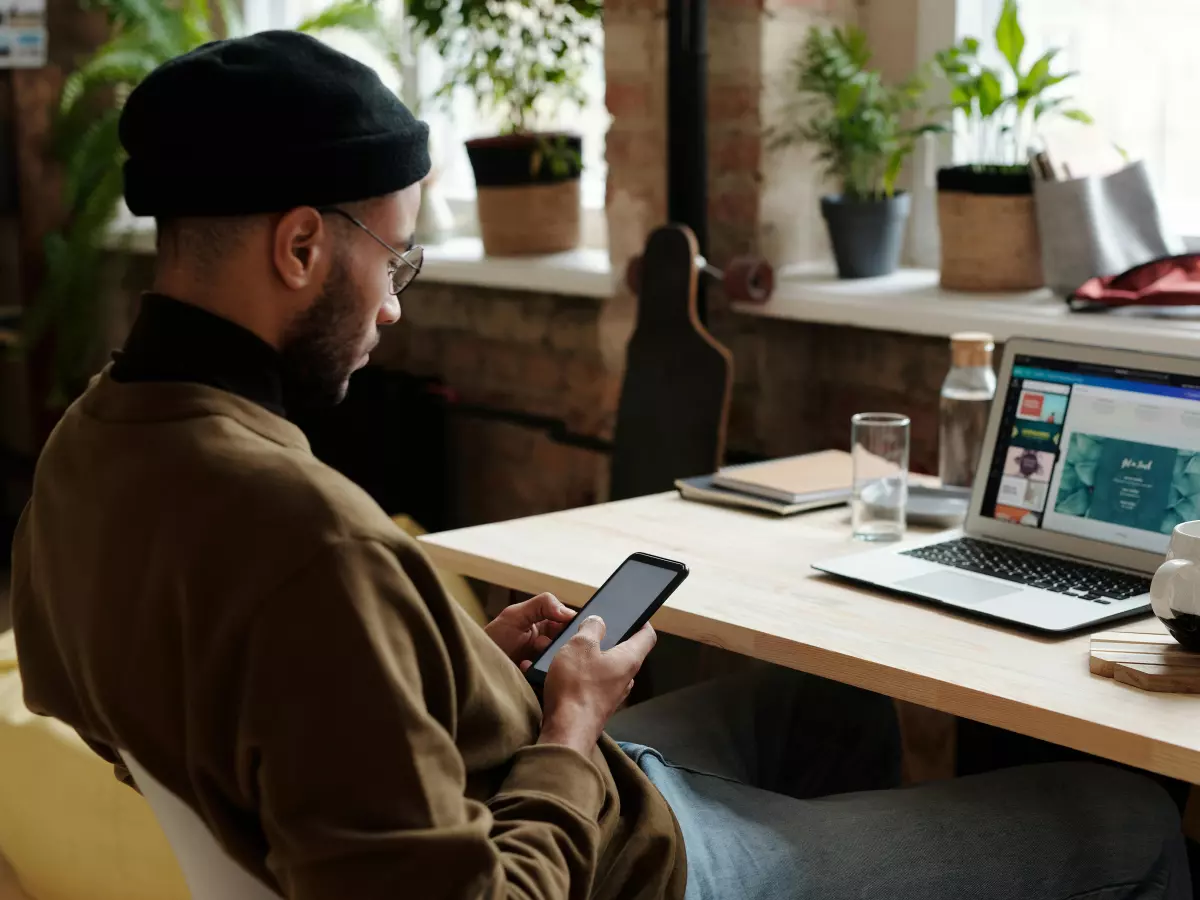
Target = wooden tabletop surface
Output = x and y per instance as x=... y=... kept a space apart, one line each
x=752 y=590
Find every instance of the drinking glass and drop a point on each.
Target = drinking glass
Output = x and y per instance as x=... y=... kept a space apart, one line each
x=879 y=448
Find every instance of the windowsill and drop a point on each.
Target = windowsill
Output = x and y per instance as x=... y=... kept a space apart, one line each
x=583 y=272
x=911 y=302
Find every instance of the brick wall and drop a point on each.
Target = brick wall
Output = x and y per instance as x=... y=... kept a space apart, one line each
x=796 y=386
x=635 y=64
x=520 y=354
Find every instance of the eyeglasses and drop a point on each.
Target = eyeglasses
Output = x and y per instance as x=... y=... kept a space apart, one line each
x=405 y=265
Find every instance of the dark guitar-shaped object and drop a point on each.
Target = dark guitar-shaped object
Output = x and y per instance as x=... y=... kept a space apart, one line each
x=678 y=378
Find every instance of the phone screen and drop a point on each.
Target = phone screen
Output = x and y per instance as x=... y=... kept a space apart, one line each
x=620 y=603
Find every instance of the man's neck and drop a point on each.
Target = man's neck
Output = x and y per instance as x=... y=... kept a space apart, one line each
x=182 y=342
x=229 y=301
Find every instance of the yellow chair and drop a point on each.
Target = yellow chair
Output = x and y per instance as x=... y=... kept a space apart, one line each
x=68 y=828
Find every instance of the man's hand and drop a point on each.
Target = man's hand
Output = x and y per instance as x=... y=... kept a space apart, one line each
x=585 y=684
x=524 y=630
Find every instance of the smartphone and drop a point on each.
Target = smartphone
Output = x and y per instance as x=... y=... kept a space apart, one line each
x=626 y=601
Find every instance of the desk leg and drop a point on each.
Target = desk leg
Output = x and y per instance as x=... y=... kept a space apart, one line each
x=928 y=742
x=497 y=599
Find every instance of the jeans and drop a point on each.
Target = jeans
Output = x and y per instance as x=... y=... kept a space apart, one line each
x=786 y=787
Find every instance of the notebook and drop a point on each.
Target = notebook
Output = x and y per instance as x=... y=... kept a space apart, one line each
x=702 y=489
x=813 y=477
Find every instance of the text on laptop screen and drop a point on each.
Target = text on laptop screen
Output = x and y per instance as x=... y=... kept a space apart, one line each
x=1099 y=452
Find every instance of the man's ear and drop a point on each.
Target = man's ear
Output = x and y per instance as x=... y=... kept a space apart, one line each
x=300 y=246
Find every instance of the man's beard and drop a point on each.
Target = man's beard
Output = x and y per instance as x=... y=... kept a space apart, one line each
x=321 y=348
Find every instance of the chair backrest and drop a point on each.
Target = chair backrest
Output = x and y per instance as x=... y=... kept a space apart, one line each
x=210 y=872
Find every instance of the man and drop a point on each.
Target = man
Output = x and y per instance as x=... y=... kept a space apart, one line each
x=193 y=590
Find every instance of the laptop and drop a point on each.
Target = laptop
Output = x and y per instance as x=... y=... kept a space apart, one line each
x=1091 y=457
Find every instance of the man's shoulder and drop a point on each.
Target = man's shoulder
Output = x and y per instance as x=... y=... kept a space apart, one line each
x=215 y=476
x=298 y=493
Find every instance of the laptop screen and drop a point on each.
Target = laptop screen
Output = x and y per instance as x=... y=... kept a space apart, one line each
x=1099 y=452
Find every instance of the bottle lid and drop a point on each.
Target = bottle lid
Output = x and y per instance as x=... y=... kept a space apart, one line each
x=971 y=349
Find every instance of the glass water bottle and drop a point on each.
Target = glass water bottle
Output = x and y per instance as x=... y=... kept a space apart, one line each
x=966 y=401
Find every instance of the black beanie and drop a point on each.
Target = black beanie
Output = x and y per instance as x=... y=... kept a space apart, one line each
x=262 y=124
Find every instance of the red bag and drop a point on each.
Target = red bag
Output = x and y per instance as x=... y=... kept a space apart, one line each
x=1170 y=281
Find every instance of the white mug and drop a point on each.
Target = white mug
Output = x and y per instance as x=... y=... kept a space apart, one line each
x=1175 y=590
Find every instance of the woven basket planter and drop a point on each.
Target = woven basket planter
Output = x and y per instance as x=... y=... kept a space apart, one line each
x=525 y=207
x=989 y=232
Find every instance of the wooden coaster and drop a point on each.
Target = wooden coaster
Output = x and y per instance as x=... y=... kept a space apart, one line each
x=1152 y=661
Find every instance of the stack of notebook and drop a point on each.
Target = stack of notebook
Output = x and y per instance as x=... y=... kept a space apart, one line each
x=784 y=486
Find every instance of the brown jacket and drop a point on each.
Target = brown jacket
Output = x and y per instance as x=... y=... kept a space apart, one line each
x=191 y=585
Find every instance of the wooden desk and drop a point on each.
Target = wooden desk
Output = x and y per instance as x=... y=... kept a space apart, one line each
x=752 y=590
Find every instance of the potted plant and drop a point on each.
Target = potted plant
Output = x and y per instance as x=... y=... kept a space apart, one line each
x=144 y=34
x=985 y=207
x=857 y=124
x=522 y=60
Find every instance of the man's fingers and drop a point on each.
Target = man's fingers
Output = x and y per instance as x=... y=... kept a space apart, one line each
x=638 y=646
x=541 y=642
x=593 y=629
x=551 y=629
x=529 y=613
x=550 y=607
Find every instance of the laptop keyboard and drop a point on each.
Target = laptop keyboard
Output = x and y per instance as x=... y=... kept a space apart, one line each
x=1035 y=569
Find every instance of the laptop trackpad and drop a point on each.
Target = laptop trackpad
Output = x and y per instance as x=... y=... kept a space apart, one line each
x=956 y=587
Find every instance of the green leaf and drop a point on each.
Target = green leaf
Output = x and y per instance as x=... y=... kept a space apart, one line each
x=355 y=15
x=196 y=16
x=962 y=96
x=847 y=99
x=991 y=95
x=1010 y=39
x=1035 y=80
x=160 y=25
x=106 y=69
x=97 y=152
x=1078 y=115
x=1051 y=80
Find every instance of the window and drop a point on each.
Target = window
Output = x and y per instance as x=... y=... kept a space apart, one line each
x=451 y=125
x=1138 y=71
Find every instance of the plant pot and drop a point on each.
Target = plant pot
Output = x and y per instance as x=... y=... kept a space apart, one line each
x=867 y=235
x=989 y=231
x=526 y=204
